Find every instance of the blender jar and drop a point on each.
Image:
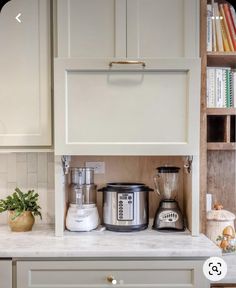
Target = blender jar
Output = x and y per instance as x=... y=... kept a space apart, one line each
x=167 y=182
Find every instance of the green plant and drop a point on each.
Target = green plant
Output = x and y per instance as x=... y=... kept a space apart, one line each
x=21 y=202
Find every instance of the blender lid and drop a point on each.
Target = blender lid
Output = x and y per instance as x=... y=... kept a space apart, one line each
x=168 y=169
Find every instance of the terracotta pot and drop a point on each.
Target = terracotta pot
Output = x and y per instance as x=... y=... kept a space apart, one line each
x=22 y=223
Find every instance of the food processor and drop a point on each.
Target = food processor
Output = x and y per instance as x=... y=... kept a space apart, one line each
x=82 y=214
x=168 y=215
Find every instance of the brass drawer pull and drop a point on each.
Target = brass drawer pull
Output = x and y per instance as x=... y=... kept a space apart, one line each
x=111 y=280
x=127 y=62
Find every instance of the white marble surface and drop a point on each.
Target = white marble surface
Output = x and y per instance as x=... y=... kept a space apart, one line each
x=230 y=259
x=41 y=242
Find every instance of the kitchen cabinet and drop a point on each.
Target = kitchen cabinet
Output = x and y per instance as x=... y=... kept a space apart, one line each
x=127 y=109
x=91 y=28
x=186 y=273
x=25 y=110
x=166 y=29
x=127 y=28
x=5 y=273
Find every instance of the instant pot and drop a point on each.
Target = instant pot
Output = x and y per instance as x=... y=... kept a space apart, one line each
x=125 y=206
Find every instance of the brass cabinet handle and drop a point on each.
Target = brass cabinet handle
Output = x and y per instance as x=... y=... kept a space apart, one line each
x=111 y=279
x=127 y=62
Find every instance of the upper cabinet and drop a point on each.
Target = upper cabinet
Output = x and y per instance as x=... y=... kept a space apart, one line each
x=91 y=28
x=127 y=77
x=162 y=28
x=127 y=28
x=25 y=110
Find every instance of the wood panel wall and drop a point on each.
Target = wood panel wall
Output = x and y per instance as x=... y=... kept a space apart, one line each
x=221 y=181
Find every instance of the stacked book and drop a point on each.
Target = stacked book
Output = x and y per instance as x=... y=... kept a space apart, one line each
x=221 y=87
x=221 y=27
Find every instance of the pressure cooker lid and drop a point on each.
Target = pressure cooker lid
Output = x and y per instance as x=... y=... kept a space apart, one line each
x=125 y=187
x=168 y=169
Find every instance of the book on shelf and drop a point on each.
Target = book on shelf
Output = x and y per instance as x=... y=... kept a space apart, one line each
x=221 y=27
x=221 y=87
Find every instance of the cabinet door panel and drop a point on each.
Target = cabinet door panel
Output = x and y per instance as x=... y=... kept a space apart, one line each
x=126 y=112
x=25 y=108
x=5 y=274
x=92 y=28
x=165 y=29
x=80 y=274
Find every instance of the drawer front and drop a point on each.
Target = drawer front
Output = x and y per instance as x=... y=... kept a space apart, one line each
x=5 y=274
x=184 y=274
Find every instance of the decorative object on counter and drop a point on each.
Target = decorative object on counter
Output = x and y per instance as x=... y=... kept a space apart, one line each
x=21 y=207
x=168 y=215
x=82 y=214
x=220 y=228
x=125 y=206
x=227 y=240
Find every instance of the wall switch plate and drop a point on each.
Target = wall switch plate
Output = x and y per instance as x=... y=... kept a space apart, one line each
x=99 y=167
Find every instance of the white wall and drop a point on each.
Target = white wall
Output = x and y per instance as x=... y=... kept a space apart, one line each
x=29 y=171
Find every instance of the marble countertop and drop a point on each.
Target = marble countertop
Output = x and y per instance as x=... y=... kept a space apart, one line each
x=230 y=259
x=41 y=242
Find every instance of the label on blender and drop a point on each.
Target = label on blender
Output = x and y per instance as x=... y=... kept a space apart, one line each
x=168 y=216
x=125 y=209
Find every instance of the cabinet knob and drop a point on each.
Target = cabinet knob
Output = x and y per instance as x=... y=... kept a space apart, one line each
x=111 y=279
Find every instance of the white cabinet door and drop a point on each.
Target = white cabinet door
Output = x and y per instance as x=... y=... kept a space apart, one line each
x=166 y=29
x=5 y=274
x=91 y=28
x=127 y=109
x=25 y=104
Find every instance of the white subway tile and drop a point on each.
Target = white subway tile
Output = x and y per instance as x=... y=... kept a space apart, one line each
x=43 y=201
x=32 y=162
x=3 y=185
x=3 y=163
x=11 y=167
x=11 y=186
x=42 y=167
x=51 y=175
x=21 y=157
x=21 y=175
x=50 y=157
x=32 y=181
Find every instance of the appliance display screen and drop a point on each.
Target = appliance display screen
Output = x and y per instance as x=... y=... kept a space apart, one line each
x=125 y=209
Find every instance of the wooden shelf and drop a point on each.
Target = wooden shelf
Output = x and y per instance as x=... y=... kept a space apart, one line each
x=221 y=111
x=221 y=146
x=222 y=59
x=226 y=54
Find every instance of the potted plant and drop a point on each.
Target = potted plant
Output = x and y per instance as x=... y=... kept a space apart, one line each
x=21 y=207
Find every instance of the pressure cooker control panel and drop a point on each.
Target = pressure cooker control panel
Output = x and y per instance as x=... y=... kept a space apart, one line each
x=125 y=211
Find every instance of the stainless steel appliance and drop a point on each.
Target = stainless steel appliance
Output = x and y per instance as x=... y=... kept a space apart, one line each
x=168 y=215
x=82 y=214
x=125 y=206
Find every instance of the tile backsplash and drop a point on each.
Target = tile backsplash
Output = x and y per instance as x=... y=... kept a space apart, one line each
x=29 y=171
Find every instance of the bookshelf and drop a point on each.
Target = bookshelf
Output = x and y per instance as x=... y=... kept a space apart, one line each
x=218 y=147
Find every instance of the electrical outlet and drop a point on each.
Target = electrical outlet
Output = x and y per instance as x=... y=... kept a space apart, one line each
x=208 y=202
x=99 y=167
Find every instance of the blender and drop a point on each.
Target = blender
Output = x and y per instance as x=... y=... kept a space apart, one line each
x=82 y=214
x=168 y=215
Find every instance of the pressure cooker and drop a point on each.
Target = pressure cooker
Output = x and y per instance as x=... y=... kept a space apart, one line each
x=125 y=206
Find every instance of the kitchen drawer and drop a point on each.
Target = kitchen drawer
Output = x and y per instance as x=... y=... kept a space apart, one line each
x=127 y=109
x=78 y=274
x=5 y=274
